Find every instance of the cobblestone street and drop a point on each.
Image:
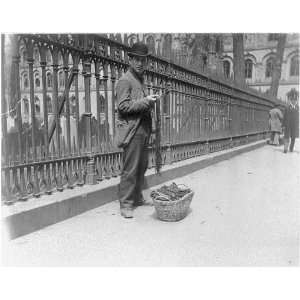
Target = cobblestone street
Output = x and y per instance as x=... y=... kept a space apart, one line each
x=245 y=212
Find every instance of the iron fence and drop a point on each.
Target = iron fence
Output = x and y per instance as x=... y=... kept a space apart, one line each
x=61 y=98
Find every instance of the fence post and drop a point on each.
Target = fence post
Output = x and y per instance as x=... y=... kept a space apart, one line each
x=58 y=177
x=3 y=100
x=76 y=61
x=106 y=128
x=167 y=104
x=30 y=61
x=98 y=106
x=113 y=81
x=43 y=64
x=7 y=198
x=91 y=172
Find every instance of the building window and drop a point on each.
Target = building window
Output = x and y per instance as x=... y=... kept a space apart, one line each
x=61 y=102
x=73 y=84
x=294 y=67
x=248 y=68
x=165 y=104
x=61 y=79
x=24 y=56
x=102 y=104
x=37 y=105
x=226 y=68
x=25 y=81
x=60 y=59
x=219 y=45
x=151 y=43
x=167 y=45
x=37 y=80
x=48 y=57
x=272 y=37
x=269 y=67
x=36 y=56
x=49 y=80
x=49 y=104
x=132 y=39
x=73 y=105
x=26 y=106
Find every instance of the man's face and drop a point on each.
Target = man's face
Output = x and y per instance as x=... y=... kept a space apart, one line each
x=138 y=63
x=294 y=101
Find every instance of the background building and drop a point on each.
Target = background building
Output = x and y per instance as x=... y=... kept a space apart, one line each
x=260 y=52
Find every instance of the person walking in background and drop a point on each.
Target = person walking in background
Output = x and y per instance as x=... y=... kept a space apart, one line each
x=291 y=121
x=276 y=117
x=133 y=129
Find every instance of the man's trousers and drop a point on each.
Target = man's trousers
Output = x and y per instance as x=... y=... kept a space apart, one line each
x=135 y=163
x=287 y=143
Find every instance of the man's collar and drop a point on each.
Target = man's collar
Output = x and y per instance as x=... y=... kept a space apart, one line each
x=293 y=105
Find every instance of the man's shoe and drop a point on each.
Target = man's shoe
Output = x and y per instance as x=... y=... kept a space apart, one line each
x=140 y=203
x=284 y=151
x=127 y=213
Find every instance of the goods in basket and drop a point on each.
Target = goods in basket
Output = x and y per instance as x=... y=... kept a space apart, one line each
x=170 y=193
x=172 y=202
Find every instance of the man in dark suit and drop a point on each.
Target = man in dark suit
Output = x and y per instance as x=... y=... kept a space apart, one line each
x=291 y=121
x=133 y=129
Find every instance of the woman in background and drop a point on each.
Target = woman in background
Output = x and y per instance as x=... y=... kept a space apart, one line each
x=276 y=117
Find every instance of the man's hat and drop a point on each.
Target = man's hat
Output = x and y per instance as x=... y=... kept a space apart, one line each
x=138 y=49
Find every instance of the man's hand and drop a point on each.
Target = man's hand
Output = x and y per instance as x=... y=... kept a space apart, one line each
x=152 y=98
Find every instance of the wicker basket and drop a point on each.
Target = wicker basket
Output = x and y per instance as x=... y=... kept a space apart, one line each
x=173 y=210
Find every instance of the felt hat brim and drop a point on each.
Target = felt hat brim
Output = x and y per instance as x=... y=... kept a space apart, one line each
x=137 y=54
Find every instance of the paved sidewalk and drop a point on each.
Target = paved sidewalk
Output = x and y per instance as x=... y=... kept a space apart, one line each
x=245 y=212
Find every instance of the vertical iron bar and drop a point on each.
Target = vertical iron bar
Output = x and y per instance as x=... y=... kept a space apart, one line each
x=75 y=72
x=113 y=81
x=91 y=172
x=67 y=105
x=171 y=112
x=17 y=93
x=97 y=76
x=30 y=60
x=3 y=101
x=175 y=112
x=179 y=111
x=88 y=114
x=59 y=186
x=32 y=104
x=105 y=78
x=67 y=101
x=55 y=98
x=43 y=64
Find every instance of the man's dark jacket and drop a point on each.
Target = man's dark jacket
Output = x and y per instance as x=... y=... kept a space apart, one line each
x=291 y=121
x=133 y=107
